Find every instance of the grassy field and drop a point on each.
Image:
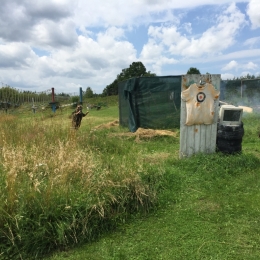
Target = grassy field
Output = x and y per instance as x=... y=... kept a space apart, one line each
x=104 y=193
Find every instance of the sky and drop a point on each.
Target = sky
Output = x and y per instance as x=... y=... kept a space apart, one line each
x=72 y=44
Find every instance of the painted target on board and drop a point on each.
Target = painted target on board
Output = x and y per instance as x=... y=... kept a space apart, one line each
x=201 y=97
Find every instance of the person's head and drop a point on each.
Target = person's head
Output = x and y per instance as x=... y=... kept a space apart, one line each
x=79 y=107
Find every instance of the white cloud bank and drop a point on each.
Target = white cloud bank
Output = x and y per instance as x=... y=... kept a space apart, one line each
x=253 y=12
x=70 y=44
x=231 y=65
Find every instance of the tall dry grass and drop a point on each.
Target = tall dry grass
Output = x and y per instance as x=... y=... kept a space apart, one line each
x=60 y=187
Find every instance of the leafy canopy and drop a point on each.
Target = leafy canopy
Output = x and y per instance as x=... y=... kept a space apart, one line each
x=136 y=69
x=89 y=93
x=193 y=70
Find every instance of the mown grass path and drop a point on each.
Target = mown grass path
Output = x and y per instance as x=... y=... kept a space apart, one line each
x=208 y=208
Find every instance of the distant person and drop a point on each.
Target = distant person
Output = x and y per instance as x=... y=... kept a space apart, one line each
x=77 y=117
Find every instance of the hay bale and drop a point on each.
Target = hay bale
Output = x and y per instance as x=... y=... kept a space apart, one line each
x=247 y=109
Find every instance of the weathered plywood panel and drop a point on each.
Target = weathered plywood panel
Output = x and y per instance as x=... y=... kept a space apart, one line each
x=198 y=138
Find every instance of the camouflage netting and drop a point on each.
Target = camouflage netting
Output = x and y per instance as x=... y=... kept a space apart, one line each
x=150 y=102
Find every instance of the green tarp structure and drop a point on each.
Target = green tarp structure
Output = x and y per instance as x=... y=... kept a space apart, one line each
x=154 y=102
x=150 y=102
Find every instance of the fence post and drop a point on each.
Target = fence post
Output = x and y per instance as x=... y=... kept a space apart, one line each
x=80 y=96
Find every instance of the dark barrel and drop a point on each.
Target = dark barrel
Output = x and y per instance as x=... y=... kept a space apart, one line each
x=229 y=138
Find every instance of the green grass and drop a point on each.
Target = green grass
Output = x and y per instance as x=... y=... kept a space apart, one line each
x=208 y=208
x=108 y=195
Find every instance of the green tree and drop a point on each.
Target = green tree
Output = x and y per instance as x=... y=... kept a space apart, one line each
x=136 y=69
x=89 y=93
x=74 y=99
x=248 y=76
x=193 y=70
x=111 y=89
x=149 y=74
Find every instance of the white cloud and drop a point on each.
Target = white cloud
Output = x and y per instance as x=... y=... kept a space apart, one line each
x=48 y=35
x=231 y=65
x=135 y=12
x=241 y=54
x=234 y=65
x=90 y=58
x=51 y=9
x=151 y=52
x=226 y=76
x=187 y=27
x=16 y=55
x=95 y=61
x=218 y=37
x=92 y=61
x=252 y=42
x=19 y=18
x=253 y=12
x=68 y=44
x=250 y=66
x=245 y=73
x=213 y=41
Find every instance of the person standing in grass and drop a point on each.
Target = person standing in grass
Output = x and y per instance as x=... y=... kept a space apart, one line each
x=77 y=117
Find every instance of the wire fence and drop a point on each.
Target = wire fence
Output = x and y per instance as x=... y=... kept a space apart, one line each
x=243 y=92
x=12 y=99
